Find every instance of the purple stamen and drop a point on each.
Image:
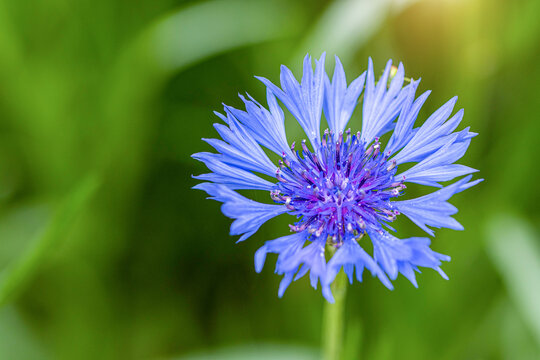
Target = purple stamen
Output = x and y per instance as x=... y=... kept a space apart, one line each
x=341 y=190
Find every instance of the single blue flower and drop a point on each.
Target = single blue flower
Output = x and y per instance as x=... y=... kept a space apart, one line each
x=341 y=187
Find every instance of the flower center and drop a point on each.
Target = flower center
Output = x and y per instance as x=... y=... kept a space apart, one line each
x=339 y=190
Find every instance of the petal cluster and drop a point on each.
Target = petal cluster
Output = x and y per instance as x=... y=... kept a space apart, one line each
x=341 y=189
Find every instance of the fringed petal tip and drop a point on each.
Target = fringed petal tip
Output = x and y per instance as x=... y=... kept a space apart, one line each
x=405 y=256
x=433 y=209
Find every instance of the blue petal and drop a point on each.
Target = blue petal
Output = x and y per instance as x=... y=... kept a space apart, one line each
x=388 y=255
x=231 y=176
x=351 y=254
x=286 y=246
x=267 y=127
x=432 y=209
x=340 y=101
x=310 y=257
x=249 y=215
x=403 y=131
x=432 y=135
x=405 y=256
x=381 y=106
x=426 y=150
x=260 y=258
x=239 y=148
x=438 y=166
x=285 y=282
x=303 y=100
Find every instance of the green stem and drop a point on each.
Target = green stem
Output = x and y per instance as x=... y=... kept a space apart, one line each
x=333 y=321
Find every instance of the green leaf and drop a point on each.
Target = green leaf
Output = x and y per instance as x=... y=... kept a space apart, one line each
x=347 y=25
x=205 y=29
x=513 y=248
x=17 y=341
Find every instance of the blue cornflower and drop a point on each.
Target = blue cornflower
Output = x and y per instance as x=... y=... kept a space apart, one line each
x=345 y=186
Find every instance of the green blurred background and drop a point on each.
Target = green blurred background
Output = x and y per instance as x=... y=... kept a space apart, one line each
x=106 y=252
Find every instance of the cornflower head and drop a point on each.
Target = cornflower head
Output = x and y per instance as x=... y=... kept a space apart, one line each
x=342 y=187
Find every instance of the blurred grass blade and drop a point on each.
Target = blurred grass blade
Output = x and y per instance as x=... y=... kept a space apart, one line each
x=346 y=25
x=513 y=248
x=15 y=276
x=516 y=339
x=17 y=341
x=202 y=30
